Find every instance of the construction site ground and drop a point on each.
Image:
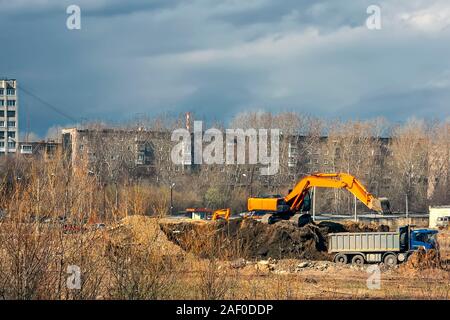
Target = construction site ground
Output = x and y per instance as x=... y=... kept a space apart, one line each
x=245 y=259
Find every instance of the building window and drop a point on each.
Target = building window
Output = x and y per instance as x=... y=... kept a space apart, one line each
x=11 y=124
x=140 y=158
x=2 y=123
x=10 y=91
x=26 y=149
x=11 y=114
x=2 y=134
x=11 y=103
x=2 y=144
x=2 y=102
x=2 y=113
x=11 y=145
x=51 y=149
x=11 y=134
x=292 y=163
x=2 y=91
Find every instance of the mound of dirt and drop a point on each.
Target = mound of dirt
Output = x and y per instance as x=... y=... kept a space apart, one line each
x=350 y=226
x=251 y=239
x=421 y=259
x=283 y=240
x=143 y=231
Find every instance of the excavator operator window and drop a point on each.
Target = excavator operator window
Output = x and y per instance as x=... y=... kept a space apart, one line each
x=306 y=206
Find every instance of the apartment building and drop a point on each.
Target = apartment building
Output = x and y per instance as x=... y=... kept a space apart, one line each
x=108 y=149
x=9 y=117
x=147 y=154
x=39 y=149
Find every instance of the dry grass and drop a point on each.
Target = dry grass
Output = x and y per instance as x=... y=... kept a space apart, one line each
x=134 y=260
x=444 y=243
x=324 y=285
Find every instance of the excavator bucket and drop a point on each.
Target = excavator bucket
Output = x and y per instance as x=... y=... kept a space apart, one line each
x=381 y=205
x=385 y=205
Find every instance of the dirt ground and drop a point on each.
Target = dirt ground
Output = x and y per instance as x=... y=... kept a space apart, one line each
x=285 y=262
x=141 y=257
x=250 y=260
x=318 y=281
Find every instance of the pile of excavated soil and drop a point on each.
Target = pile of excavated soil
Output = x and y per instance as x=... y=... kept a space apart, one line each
x=443 y=239
x=431 y=259
x=141 y=231
x=251 y=239
x=421 y=259
x=350 y=226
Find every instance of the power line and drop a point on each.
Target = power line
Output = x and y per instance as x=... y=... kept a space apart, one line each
x=48 y=104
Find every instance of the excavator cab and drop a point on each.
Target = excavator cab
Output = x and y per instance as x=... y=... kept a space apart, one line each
x=275 y=209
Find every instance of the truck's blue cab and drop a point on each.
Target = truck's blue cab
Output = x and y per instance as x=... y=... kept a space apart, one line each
x=425 y=238
x=411 y=240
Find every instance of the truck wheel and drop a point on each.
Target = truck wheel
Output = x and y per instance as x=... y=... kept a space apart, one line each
x=341 y=258
x=390 y=260
x=358 y=260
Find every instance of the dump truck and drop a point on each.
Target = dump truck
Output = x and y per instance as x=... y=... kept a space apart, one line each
x=295 y=206
x=374 y=247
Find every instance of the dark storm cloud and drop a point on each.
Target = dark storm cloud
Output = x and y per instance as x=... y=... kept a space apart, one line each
x=218 y=58
x=323 y=14
x=430 y=103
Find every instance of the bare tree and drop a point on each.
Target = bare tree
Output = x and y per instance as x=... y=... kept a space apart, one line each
x=438 y=192
x=409 y=149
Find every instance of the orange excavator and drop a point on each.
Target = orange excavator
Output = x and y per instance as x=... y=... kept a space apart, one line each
x=296 y=205
x=220 y=214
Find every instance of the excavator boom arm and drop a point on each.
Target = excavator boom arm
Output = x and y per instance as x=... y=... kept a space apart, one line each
x=335 y=180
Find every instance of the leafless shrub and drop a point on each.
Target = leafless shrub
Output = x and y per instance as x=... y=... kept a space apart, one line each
x=216 y=282
x=140 y=273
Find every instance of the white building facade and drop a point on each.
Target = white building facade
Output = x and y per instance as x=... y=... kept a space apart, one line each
x=9 y=117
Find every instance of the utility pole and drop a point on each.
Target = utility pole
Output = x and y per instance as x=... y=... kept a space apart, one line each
x=249 y=183
x=104 y=201
x=406 y=204
x=314 y=204
x=171 y=197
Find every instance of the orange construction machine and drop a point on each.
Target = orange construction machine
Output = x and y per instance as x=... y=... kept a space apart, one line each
x=296 y=205
x=209 y=214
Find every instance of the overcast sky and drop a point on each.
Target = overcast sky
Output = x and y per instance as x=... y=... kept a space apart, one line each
x=218 y=58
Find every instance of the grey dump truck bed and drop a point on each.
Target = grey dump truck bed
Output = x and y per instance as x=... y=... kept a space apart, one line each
x=364 y=242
